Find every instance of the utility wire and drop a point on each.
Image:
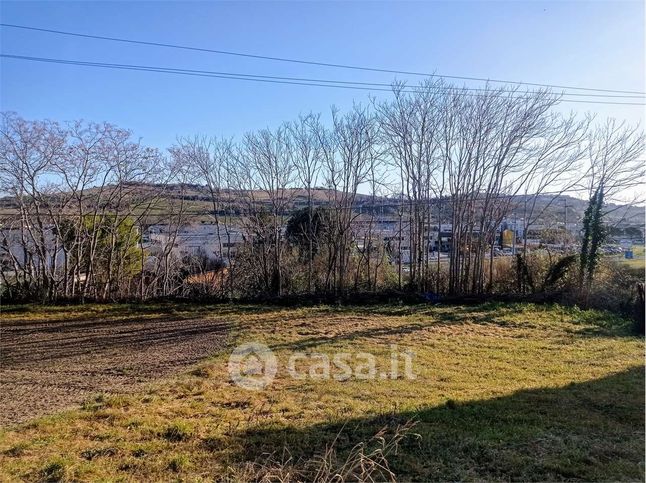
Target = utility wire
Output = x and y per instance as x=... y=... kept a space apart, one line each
x=271 y=79
x=389 y=87
x=308 y=62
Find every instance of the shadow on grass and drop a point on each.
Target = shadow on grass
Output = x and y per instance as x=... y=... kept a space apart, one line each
x=592 y=322
x=369 y=333
x=589 y=323
x=584 y=431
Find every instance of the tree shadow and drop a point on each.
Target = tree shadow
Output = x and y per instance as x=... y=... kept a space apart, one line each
x=590 y=323
x=371 y=332
x=600 y=322
x=584 y=431
x=582 y=323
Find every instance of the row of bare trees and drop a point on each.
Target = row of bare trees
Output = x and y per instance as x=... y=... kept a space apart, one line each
x=80 y=198
x=71 y=207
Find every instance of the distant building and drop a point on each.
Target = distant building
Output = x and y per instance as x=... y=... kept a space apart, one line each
x=216 y=243
x=19 y=246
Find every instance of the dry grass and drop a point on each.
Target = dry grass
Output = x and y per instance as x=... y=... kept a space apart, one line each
x=502 y=392
x=637 y=264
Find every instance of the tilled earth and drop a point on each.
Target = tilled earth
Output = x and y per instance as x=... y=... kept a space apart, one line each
x=48 y=366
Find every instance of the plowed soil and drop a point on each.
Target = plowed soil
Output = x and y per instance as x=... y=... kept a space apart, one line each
x=48 y=366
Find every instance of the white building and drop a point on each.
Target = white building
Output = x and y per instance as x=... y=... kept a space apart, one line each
x=215 y=242
x=17 y=245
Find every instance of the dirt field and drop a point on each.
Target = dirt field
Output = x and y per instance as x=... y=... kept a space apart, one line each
x=50 y=365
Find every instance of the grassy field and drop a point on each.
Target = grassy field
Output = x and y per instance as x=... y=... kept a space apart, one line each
x=502 y=392
x=638 y=263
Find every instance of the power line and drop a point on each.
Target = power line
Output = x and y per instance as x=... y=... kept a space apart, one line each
x=269 y=79
x=389 y=87
x=308 y=62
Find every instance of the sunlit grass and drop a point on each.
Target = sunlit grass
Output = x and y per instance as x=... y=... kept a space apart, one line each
x=501 y=392
x=637 y=263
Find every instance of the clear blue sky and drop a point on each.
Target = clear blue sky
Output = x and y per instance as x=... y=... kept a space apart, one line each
x=596 y=44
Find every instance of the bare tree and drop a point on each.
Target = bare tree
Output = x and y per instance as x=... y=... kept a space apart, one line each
x=554 y=167
x=210 y=160
x=82 y=196
x=615 y=153
x=485 y=139
x=305 y=136
x=268 y=157
x=409 y=128
x=349 y=152
x=28 y=151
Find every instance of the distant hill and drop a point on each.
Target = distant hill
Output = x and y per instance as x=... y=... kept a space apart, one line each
x=197 y=200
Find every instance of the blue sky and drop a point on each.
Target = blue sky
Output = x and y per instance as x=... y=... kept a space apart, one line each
x=595 y=44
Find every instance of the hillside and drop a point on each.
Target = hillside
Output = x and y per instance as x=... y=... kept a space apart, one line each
x=197 y=201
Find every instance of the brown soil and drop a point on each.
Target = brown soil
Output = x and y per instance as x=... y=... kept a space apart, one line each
x=48 y=366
